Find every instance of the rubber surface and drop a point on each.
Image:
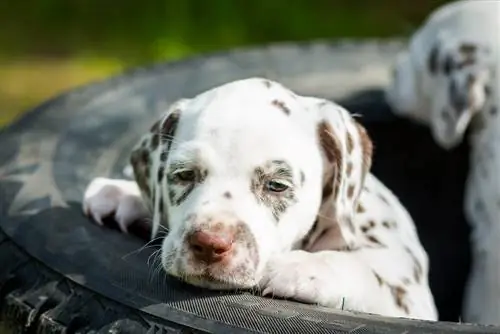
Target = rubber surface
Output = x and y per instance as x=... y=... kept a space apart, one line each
x=61 y=273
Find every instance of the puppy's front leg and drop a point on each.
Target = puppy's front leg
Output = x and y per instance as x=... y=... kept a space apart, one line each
x=329 y=278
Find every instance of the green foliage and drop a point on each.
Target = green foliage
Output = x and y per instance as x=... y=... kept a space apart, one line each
x=150 y=30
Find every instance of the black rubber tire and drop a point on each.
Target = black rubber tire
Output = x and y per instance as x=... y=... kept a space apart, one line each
x=61 y=273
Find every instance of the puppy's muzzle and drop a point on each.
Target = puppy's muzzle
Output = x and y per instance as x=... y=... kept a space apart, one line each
x=211 y=247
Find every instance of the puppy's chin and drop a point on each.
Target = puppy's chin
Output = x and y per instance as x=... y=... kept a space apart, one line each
x=220 y=283
x=233 y=274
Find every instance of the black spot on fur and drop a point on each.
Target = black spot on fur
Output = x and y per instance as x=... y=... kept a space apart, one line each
x=169 y=127
x=188 y=189
x=448 y=65
x=432 y=62
x=163 y=156
x=161 y=174
x=467 y=48
x=155 y=140
x=493 y=110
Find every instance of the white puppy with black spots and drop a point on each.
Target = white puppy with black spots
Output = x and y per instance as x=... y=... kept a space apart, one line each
x=448 y=79
x=261 y=187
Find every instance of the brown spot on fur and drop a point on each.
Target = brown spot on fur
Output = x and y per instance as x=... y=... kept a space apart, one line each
x=432 y=62
x=369 y=226
x=350 y=191
x=386 y=224
x=328 y=142
x=349 y=143
x=360 y=208
x=302 y=178
x=267 y=83
x=331 y=149
x=328 y=187
x=227 y=195
x=374 y=240
x=399 y=294
x=379 y=279
x=349 y=167
x=417 y=267
x=281 y=105
x=366 y=147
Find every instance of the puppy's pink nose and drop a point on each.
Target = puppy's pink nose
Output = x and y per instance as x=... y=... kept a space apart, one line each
x=208 y=247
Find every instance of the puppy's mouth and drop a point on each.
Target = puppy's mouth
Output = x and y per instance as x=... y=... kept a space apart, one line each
x=218 y=283
x=236 y=273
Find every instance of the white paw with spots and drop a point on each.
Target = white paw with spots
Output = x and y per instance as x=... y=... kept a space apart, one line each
x=119 y=199
x=329 y=278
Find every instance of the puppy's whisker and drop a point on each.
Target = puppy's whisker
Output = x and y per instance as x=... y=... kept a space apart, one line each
x=140 y=249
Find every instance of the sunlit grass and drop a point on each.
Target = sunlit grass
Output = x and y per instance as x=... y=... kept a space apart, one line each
x=64 y=44
x=27 y=82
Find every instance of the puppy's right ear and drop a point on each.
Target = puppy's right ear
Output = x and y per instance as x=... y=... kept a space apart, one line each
x=149 y=155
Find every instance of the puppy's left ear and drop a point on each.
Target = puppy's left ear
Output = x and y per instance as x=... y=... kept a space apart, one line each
x=148 y=157
x=347 y=155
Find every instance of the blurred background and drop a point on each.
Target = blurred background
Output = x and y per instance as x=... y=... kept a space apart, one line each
x=49 y=46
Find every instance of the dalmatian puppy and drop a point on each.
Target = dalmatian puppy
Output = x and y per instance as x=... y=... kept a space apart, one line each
x=262 y=188
x=448 y=80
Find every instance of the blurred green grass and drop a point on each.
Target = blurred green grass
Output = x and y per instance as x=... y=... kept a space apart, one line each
x=47 y=46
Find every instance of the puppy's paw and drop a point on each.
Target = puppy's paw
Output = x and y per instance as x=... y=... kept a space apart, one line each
x=119 y=199
x=329 y=278
x=295 y=275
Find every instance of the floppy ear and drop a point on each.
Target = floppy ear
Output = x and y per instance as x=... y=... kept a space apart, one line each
x=148 y=158
x=457 y=89
x=347 y=154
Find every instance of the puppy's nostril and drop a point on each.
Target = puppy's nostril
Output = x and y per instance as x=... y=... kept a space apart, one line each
x=219 y=251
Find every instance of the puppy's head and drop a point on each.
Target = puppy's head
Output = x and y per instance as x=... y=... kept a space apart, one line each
x=244 y=176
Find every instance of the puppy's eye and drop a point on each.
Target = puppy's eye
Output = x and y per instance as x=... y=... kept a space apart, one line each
x=185 y=175
x=276 y=186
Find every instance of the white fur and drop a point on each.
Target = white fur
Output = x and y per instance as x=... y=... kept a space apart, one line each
x=230 y=130
x=412 y=93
